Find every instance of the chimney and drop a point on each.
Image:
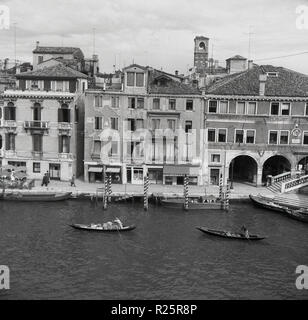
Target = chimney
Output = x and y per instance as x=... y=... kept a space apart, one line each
x=37 y=44
x=262 y=82
x=176 y=72
x=250 y=64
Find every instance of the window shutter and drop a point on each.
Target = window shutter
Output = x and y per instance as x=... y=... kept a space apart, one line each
x=47 y=85
x=73 y=86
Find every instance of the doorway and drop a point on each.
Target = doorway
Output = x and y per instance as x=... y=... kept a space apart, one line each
x=54 y=171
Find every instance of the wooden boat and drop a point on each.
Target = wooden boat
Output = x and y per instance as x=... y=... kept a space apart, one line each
x=35 y=196
x=230 y=235
x=267 y=203
x=300 y=215
x=99 y=228
x=203 y=203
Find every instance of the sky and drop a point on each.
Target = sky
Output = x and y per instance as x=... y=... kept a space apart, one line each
x=159 y=33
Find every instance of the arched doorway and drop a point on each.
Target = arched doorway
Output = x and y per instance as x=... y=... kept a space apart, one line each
x=275 y=165
x=303 y=164
x=243 y=169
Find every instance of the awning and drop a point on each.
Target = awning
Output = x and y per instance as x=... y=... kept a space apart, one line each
x=113 y=170
x=177 y=171
x=95 y=169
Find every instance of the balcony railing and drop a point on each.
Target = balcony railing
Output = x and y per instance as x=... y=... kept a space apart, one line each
x=65 y=126
x=42 y=125
x=37 y=155
x=8 y=123
x=66 y=156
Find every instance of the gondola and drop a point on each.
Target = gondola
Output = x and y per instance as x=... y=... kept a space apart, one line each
x=99 y=228
x=230 y=235
x=300 y=215
x=267 y=203
x=30 y=196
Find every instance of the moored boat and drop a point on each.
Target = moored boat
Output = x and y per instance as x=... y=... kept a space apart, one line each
x=267 y=203
x=35 y=196
x=203 y=203
x=300 y=215
x=230 y=235
x=100 y=228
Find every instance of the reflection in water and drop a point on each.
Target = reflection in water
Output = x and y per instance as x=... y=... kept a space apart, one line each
x=164 y=258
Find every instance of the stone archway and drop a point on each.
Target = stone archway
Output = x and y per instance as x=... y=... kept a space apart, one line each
x=275 y=165
x=244 y=169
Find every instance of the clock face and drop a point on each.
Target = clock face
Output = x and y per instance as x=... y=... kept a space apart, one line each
x=202 y=45
x=296 y=132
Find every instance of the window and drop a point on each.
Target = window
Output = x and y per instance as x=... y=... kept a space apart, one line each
x=252 y=108
x=139 y=79
x=131 y=124
x=305 y=137
x=114 y=148
x=10 y=112
x=222 y=135
x=223 y=107
x=115 y=102
x=132 y=103
x=215 y=158
x=189 y=105
x=66 y=86
x=213 y=107
x=155 y=124
x=114 y=123
x=64 y=114
x=40 y=59
x=37 y=112
x=274 y=108
x=188 y=126
x=36 y=167
x=98 y=123
x=171 y=124
x=64 y=144
x=10 y=142
x=172 y=104
x=59 y=85
x=156 y=104
x=285 y=109
x=97 y=147
x=284 y=137
x=273 y=137
x=140 y=103
x=211 y=135
x=240 y=108
x=130 y=79
x=250 y=136
x=37 y=140
x=239 y=136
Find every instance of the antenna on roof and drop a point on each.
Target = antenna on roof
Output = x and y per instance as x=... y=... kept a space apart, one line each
x=15 y=41
x=94 y=49
x=250 y=33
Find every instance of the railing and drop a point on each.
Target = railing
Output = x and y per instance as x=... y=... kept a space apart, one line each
x=294 y=184
x=36 y=125
x=8 y=123
x=65 y=126
x=37 y=155
x=281 y=177
x=66 y=156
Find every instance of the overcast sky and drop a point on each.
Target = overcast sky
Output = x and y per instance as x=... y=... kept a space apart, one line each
x=159 y=33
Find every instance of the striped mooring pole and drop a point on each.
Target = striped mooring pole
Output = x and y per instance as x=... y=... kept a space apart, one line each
x=109 y=187
x=146 y=184
x=227 y=200
x=106 y=194
x=186 y=192
x=220 y=188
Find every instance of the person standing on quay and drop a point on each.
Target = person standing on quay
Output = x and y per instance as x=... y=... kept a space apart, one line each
x=45 y=180
x=73 y=181
x=48 y=177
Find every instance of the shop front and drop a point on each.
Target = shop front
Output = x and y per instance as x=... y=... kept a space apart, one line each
x=174 y=175
x=134 y=175
x=115 y=172
x=96 y=174
x=156 y=175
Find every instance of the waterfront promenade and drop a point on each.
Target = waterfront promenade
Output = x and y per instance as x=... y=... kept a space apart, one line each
x=240 y=191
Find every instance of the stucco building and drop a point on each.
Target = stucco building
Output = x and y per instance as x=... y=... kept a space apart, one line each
x=149 y=122
x=41 y=122
x=256 y=124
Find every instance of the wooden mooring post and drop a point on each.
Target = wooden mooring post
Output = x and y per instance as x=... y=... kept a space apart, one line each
x=186 y=192
x=146 y=183
x=106 y=191
x=109 y=187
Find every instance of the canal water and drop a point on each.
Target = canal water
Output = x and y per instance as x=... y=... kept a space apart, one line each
x=164 y=258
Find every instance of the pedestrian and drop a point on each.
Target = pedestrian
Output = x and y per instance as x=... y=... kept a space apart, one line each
x=48 y=177
x=73 y=181
x=45 y=180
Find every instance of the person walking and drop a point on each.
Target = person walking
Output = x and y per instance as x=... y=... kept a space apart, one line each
x=73 y=181
x=48 y=177
x=45 y=180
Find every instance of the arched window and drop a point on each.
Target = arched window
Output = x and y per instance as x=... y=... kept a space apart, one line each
x=37 y=112
x=10 y=112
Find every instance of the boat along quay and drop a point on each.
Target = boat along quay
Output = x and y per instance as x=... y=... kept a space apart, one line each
x=165 y=257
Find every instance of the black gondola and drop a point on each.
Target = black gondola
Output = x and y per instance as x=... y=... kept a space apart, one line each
x=99 y=228
x=230 y=235
x=267 y=203
x=300 y=215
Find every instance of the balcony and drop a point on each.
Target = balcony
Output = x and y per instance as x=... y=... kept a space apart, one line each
x=37 y=155
x=36 y=125
x=96 y=156
x=10 y=124
x=65 y=126
x=66 y=156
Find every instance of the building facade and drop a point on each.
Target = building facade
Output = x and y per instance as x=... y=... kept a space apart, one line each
x=151 y=124
x=41 y=123
x=256 y=125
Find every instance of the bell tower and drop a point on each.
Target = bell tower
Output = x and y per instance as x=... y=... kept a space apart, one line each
x=201 y=54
